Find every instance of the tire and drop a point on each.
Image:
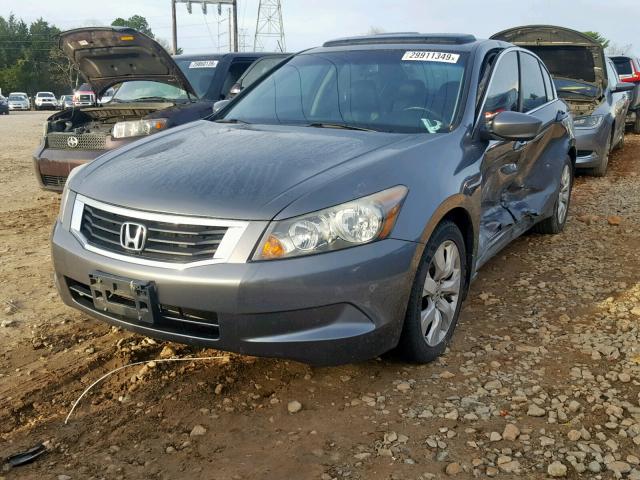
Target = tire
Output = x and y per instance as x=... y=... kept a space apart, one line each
x=620 y=144
x=556 y=222
x=424 y=344
x=636 y=123
x=601 y=170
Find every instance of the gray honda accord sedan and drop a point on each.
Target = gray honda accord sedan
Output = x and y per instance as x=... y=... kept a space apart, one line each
x=336 y=209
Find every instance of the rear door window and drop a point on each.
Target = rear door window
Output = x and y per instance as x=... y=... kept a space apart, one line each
x=548 y=84
x=502 y=95
x=534 y=94
x=612 y=74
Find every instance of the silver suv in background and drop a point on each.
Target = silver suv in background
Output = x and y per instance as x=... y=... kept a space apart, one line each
x=45 y=101
x=628 y=69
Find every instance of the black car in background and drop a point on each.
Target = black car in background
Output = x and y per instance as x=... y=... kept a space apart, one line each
x=152 y=92
x=628 y=69
x=255 y=71
x=4 y=106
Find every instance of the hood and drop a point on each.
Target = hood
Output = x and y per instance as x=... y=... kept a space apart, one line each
x=222 y=171
x=110 y=55
x=566 y=53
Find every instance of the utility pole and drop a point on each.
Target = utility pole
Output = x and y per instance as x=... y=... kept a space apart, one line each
x=269 y=25
x=203 y=4
x=173 y=28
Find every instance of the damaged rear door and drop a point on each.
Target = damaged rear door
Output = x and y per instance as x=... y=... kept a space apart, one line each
x=531 y=193
x=501 y=158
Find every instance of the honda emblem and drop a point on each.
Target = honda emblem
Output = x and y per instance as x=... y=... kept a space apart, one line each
x=133 y=236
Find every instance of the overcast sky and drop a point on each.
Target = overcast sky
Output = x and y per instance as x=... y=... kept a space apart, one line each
x=308 y=23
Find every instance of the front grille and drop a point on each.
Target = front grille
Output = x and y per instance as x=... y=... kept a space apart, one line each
x=86 y=141
x=166 y=242
x=169 y=318
x=53 y=180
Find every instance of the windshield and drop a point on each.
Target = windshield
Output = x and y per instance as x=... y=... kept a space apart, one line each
x=144 y=90
x=16 y=98
x=567 y=87
x=200 y=73
x=383 y=90
x=45 y=95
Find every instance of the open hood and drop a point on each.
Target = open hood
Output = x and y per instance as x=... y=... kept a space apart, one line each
x=110 y=55
x=566 y=53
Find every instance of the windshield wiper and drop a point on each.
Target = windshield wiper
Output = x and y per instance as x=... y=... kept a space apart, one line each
x=339 y=125
x=232 y=120
x=152 y=99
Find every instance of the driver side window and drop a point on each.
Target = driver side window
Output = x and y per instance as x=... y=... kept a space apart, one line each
x=503 y=92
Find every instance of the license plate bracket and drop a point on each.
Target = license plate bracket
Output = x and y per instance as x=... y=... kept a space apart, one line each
x=124 y=297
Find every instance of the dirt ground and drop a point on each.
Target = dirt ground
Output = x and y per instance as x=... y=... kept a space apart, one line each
x=542 y=378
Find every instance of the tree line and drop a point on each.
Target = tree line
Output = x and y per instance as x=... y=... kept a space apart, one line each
x=30 y=60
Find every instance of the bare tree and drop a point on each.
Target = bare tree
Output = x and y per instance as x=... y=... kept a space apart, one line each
x=374 y=30
x=615 y=49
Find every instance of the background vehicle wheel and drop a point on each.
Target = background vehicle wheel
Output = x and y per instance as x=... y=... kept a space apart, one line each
x=436 y=296
x=555 y=223
x=601 y=170
x=620 y=144
x=636 y=123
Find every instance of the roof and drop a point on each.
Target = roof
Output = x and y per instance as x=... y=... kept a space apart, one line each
x=405 y=38
x=214 y=55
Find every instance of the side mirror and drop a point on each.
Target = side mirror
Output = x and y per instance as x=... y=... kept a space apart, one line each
x=623 y=87
x=219 y=105
x=512 y=126
x=235 y=90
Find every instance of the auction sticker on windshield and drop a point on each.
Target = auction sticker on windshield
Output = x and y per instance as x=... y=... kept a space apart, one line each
x=424 y=56
x=204 y=64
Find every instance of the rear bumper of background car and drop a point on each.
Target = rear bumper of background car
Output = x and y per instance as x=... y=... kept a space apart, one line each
x=331 y=308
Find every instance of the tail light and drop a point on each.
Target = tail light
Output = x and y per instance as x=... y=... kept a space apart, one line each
x=634 y=77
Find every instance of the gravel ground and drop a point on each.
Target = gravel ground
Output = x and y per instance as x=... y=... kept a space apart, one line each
x=542 y=379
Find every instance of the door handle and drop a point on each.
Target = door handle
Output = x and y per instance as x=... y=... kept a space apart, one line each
x=519 y=145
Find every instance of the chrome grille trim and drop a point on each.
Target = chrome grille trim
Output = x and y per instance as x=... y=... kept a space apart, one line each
x=234 y=231
x=86 y=141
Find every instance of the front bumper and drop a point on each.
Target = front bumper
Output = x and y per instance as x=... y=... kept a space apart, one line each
x=326 y=309
x=18 y=107
x=52 y=166
x=591 y=146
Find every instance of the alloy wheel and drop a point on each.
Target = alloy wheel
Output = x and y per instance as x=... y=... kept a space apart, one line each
x=563 y=195
x=441 y=293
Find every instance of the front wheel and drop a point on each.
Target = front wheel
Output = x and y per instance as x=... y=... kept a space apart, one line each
x=601 y=170
x=436 y=296
x=555 y=223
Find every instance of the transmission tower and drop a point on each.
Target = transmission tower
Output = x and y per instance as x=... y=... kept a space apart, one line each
x=269 y=25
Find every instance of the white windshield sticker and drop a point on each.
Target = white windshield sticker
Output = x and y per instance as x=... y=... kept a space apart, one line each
x=424 y=56
x=204 y=64
x=84 y=43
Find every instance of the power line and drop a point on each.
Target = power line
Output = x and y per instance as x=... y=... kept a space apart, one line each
x=269 y=25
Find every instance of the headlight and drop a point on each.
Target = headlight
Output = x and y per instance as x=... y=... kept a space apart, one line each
x=360 y=221
x=138 y=128
x=590 y=121
x=65 y=192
